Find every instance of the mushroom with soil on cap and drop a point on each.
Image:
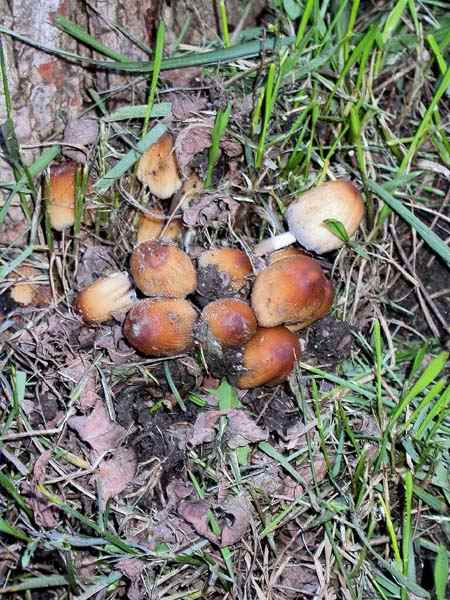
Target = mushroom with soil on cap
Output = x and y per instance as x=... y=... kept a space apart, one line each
x=291 y=291
x=158 y=168
x=161 y=326
x=339 y=200
x=162 y=270
x=99 y=301
x=268 y=358
x=226 y=323
x=223 y=272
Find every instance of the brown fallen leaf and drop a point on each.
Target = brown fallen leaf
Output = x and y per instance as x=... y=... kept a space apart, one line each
x=95 y=262
x=133 y=568
x=45 y=514
x=116 y=473
x=243 y=430
x=178 y=490
x=231 y=148
x=181 y=77
x=191 y=140
x=80 y=132
x=97 y=429
x=204 y=427
x=81 y=372
x=184 y=105
x=210 y=209
x=240 y=508
x=196 y=514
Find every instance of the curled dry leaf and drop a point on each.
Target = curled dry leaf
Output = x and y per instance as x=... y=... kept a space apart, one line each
x=95 y=262
x=133 y=568
x=210 y=209
x=97 y=429
x=231 y=148
x=115 y=474
x=178 y=490
x=204 y=427
x=183 y=105
x=191 y=140
x=243 y=429
x=196 y=514
x=44 y=513
x=76 y=372
x=80 y=132
x=240 y=509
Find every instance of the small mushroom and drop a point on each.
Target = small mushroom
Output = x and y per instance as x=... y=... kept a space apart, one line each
x=61 y=196
x=161 y=327
x=155 y=227
x=227 y=322
x=161 y=269
x=108 y=295
x=269 y=357
x=339 y=200
x=223 y=272
x=158 y=168
x=31 y=288
x=291 y=291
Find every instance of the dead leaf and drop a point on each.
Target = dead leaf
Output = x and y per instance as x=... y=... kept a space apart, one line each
x=181 y=77
x=97 y=429
x=95 y=262
x=178 y=490
x=80 y=371
x=210 y=209
x=133 y=568
x=196 y=514
x=243 y=430
x=183 y=106
x=240 y=508
x=191 y=140
x=116 y=473
x=80 y=132
x=204 y=427
x=45 y=514
x=231 y=148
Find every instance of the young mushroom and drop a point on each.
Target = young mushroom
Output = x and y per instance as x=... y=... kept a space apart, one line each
x=163 y=270
x=99 y=301
x=223 y=272
x=30 y=289
x=269 y=357
x=60 y=202
x=339 y=200
x=156 y=227
x=226 y=323
x=158 y=168
x=291 y=291
x=161 y=327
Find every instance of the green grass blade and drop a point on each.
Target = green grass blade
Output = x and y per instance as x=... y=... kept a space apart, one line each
x=440 y=573
x=423 y=230
x=8 y=529
x=220 y=125
x=407 y=528
x=393 y=20
x=161 y=109
x=86 y=38
x=158 y=56
x=125 y=163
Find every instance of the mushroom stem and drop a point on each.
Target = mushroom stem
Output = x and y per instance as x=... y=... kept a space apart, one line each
x=274 y=243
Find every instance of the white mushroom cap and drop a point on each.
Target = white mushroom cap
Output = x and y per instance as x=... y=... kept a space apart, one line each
x=339 y=200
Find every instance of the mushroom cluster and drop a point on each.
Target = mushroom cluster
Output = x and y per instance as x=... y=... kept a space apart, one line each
x=246 y=321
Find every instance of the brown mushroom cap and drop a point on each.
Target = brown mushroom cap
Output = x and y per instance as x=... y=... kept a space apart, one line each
x=223 y=271
x=30 y=288
x=163 y=270
x=161 y=327
x=338 y=200
x=291 y=290
x=108 y=295
x=230 y=321
x=158 y=168
x=61 y=196
x=269 y=357
x=153 y=228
